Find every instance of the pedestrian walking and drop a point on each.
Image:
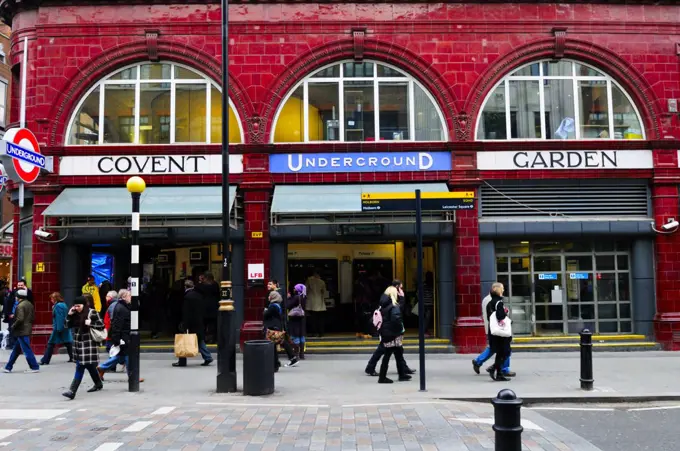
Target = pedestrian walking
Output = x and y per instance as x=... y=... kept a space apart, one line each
x=91 y=288
x=11 y=303
x=316 y=304
x=391 y=332
x=296 y=305
x=61 y=335
x=111 y=301
x=487 y=354
x=193 y=316
x=119 y=334
x=273 y=323
x=22 y=328
x=500 y=332
x=395 y=293
x=82 y=318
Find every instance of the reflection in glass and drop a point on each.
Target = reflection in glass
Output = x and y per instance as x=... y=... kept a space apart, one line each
x=119 y=114
x=525 y=112
x=323 y=112
x=190 y=113
x=557 y=68
x=154 y=112
x=529 y=70
x=126 y=74
x=585 y=71
x=394 y=111
x=626 y=122
x=492 y=122
x=182 y=73
x=384 y=71
x=428 y=125
x=559 y=109
x=290 y=123
x=155 y=72
x=359 y=111
x=85 y=128
x=594 y=109
x=355 y=70
x=606 y=287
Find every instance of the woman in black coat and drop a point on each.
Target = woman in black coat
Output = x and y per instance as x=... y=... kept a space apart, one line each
x=296 y=305
x=81 y=318
x=499 y=345
x=273 y=323
x=391 y=338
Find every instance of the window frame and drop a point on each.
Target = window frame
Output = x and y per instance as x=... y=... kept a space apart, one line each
x=339 y=81
x=137 y=81
x=4 y=84
x=541 y=78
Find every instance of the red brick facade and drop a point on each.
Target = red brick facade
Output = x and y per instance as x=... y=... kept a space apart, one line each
x=458 y=51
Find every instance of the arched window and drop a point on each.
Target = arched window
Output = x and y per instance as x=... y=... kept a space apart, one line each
x=159 y=103
x=558 y=100
x=365 y=101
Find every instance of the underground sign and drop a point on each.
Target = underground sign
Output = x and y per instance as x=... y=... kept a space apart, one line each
x=21 y=155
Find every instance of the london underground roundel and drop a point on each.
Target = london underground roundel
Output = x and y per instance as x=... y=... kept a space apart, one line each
x=27 y=161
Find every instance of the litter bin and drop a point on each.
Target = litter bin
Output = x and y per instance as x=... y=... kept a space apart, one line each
x=258 y=368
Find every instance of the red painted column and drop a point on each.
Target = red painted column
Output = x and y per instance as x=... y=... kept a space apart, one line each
x=46 y=281
x=468 y=328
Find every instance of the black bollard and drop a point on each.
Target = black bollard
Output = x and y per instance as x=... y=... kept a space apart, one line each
x=507 y=421
x=226 y=344
x=586 y=360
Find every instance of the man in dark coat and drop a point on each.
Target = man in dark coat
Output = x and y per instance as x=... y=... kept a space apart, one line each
x=210 y=291
x=121 y=324
x=193 y=313
x=22 y=328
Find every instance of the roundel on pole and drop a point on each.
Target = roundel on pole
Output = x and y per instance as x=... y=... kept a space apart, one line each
x=23 y=148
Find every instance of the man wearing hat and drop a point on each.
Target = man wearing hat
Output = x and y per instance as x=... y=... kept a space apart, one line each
x=22 y=327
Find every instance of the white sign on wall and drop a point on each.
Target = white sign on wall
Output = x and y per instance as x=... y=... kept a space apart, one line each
x=148 y=165
x=565 y=159
x=255 y=271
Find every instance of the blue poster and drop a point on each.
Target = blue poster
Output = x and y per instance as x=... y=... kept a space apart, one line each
x=359 y=162
x=547 y=276
x=102 y=267
x=578 y=276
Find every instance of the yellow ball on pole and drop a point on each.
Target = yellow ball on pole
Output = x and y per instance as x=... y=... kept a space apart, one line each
x=136 y=184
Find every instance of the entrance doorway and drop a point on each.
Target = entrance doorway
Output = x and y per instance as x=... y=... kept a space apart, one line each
x=556 y=288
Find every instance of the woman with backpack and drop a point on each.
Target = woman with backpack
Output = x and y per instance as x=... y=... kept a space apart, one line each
x=273 y=323
x=83 y=319
x=296 y=319
x=391 y=336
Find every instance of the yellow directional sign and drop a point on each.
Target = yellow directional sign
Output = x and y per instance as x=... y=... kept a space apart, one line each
x=412 y=195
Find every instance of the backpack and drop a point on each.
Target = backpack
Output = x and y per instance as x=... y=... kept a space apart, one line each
x=377 y=318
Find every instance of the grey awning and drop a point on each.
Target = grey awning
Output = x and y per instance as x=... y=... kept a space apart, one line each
x=7 y=229
x=292 y=199
x=170 y=201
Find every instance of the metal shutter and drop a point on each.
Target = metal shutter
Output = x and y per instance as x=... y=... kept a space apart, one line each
x=588 y=198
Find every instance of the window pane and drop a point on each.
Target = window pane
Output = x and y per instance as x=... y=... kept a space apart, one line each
x=154 y=72
x=119 y=113
x=190 y=113
x=519 y=264
x=186 y=74
x=289 y=125
x=624 y=286
x=125 y=74
x=501 y=264
x=626 y=122
x=604 y=262
x=492 y=122
x=521 y=288
x=558 y=68
x=353 y=70
x=594 y=109
x=585 y=71
x=524 y=109
x=530 y=70
x=607 y=311
x=428 y=125
x=329 y=72
x=626 y=327
x=85 y=128
x=216 y=120
x=154 y=113
x=604 y=246
x=579 y=263
x=384 y=71
x=359 y=111
x=608 y=327
x=559 y=109
x=394 y=111
x=606 y=288
x=624 y=311
x=622 y=262
x=323 y=111
x=578 y=246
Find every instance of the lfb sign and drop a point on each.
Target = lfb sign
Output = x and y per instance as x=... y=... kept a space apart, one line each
x=21 y=157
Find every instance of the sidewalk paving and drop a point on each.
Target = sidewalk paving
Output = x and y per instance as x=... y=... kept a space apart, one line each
x=340 y=380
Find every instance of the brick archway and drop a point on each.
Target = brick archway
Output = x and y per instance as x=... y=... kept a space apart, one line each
x=137 y=52
x=375 y=50
x=632 y=81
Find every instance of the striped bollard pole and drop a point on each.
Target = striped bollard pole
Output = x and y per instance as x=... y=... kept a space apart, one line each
x=135 y=186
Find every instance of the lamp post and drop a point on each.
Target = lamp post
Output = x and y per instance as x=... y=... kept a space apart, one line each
x=136 y=186
x=226 y=347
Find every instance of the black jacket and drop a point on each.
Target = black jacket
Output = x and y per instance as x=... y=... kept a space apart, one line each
x=120 y=324
x=392 y=325
x=193 y=312
x=273 y=316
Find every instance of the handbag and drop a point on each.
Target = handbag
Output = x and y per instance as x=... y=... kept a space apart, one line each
x=296 y=311
x=98 y=335
x=500 y=328
x=186 y=345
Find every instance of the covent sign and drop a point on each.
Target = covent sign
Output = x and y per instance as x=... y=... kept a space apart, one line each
x=565 y=159
x=148 y=165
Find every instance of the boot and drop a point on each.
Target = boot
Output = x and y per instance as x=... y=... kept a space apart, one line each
x=69 y=349
x=94 y=374
x=492 y=371
x=302 y=351
x=71 y=392
x=500 y=377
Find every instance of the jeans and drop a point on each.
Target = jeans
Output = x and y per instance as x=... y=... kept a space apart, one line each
x=22 y=344
x=203 y=349
x=47 y=357
x=487 y=354
x=121 y=359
